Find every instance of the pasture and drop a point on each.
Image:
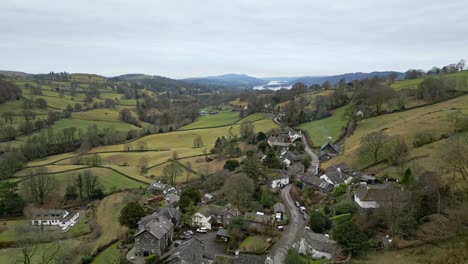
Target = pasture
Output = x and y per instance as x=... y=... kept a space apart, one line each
x=332 y=126
x=221 y=119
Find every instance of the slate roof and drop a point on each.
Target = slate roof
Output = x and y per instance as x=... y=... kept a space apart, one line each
x=320 y=242
x=51 y=214
x=334 y=147
x=164 y=213
x=222 y=232
x=382 y=193
x=295 y=169
x=338 y=173
x=190 y=251
x=279 y=208
x=158 y=228
x=317 y=182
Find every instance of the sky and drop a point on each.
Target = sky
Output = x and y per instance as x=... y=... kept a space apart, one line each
x=181 y=38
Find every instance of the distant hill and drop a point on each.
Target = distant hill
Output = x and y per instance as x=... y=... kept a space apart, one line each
x=160 y=83
x=15 y=74
x=228 y=80
x=347 y=77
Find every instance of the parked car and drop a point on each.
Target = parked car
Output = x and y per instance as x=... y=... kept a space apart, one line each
x=280 y=228
x=177 y=243
x=202 y=230
x=303 y=209
x=189 y=232
x=297 y=204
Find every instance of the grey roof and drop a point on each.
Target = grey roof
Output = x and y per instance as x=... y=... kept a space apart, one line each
x=338 y=173
x=249 y=259
x=317 y=182
x=223 y=232
x=279 y=208
x=50 y=214
x=382 y=193
x=165 y=213
x=334 y=147
x=158 y=228
x=258 y=218
x=172 y=198
x=295 y=169
x=320 y=242
x=189 y=251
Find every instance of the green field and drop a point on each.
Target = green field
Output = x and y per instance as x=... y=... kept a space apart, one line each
x=110 y=255
x=102 y=114
x=332 y=126
x=221 y=119
x=413 y=84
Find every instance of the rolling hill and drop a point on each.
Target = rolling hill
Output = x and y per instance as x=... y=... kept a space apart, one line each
x=228 y=80
x=334 y=79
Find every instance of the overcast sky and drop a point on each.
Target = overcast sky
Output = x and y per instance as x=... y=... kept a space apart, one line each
x=210 y=37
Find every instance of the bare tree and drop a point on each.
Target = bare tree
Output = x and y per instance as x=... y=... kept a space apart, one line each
x=38 y=187
x=197 y=141
x=127 y=146
x=143 y=165
x=397 y=151
x=188 y=165
x=373 y=144
x=8 y=116
x=142 y=145
x=33 y=252
x=171 y=172
x=456 y=158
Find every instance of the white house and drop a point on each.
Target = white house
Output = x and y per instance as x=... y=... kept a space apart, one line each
x=335 y=175
x=318 y=246
x=375 y=196
x=278 y=180
x=53 y=217
x=200 y=220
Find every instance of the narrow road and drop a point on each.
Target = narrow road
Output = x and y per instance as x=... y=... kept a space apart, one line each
x=313 y=156
x=292 y=232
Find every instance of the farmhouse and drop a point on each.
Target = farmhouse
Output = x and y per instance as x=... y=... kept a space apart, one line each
x=171 y=214
x=53 y=217
x=202 y=218
x=209 y=215
x=163 y=188
x=335 y=175
x=316 y=183
x=318 y=246
x=277 y=179
x=328 y=150
x=154 y=236
x=375 y=196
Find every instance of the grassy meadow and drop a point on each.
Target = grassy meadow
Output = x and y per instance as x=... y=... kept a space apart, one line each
x=332 y=126
x=222 y=119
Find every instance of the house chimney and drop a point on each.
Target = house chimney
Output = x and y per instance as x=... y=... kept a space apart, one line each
x=327 y=236
x=237 y=253
x=329 y=139
x=339 y=171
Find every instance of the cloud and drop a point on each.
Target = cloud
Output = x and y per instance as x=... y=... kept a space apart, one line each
x=262 y=38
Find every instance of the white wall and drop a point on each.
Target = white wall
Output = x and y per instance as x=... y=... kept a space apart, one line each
x=365 y=204
x=199 y=220
x=278 y=182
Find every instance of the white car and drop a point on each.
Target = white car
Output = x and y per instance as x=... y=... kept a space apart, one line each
x=202 y=230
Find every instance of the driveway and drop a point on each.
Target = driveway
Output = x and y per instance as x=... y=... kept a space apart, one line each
x=292 y=232
x=212 y=247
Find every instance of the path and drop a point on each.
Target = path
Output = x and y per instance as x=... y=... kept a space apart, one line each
x=292 y=232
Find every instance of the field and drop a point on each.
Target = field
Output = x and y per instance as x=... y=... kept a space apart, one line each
x=413 y=84
x=221 y=119
x=332 y=126
x=105 y=114
x=430 y=119
x=110 y=255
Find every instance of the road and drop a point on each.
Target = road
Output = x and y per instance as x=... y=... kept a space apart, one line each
x=292 y=232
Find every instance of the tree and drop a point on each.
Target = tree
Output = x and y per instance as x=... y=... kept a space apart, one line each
x=11 y=162
x=142 y=145
x=78 y=107
x=397 y=151
x=247 y=132
x=197 y=141
x=189 y=194
x=271 y=160
x=431 y=90
x=143 y=165
x=459 y=121
x=319 y=222
x=11 y=203
x=392 y=76
x=38 y=187
x=350 y=236
x=130 y=214
x=326 y=85
x=373 y=144
x=8 y=116
x=261 y=136
x=407 y=179
x=188 y=165
x=239 y=189
x=28 y=115
x=70 y=193
x=91 y=185
x=251 y=166
x=33 y=251
x=231 y=165
x=41 y=103
x=171 y=171
x=307 y=162
x=190 y=210
x=413 y=74
x=455 y=158
x=79 y=185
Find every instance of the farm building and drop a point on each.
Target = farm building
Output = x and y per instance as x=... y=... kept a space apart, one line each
x=375 y=196
x=53 y=217
x=318 y=246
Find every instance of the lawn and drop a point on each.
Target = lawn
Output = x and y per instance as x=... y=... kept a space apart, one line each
x=221 y=119
x=110 y=255
x=332 y=126
x=254 y=244
x=238 y=102
x=252 y=118
x=413 y=84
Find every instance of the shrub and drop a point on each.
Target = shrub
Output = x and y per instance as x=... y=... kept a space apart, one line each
x=345 y=208
x=422 y=139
